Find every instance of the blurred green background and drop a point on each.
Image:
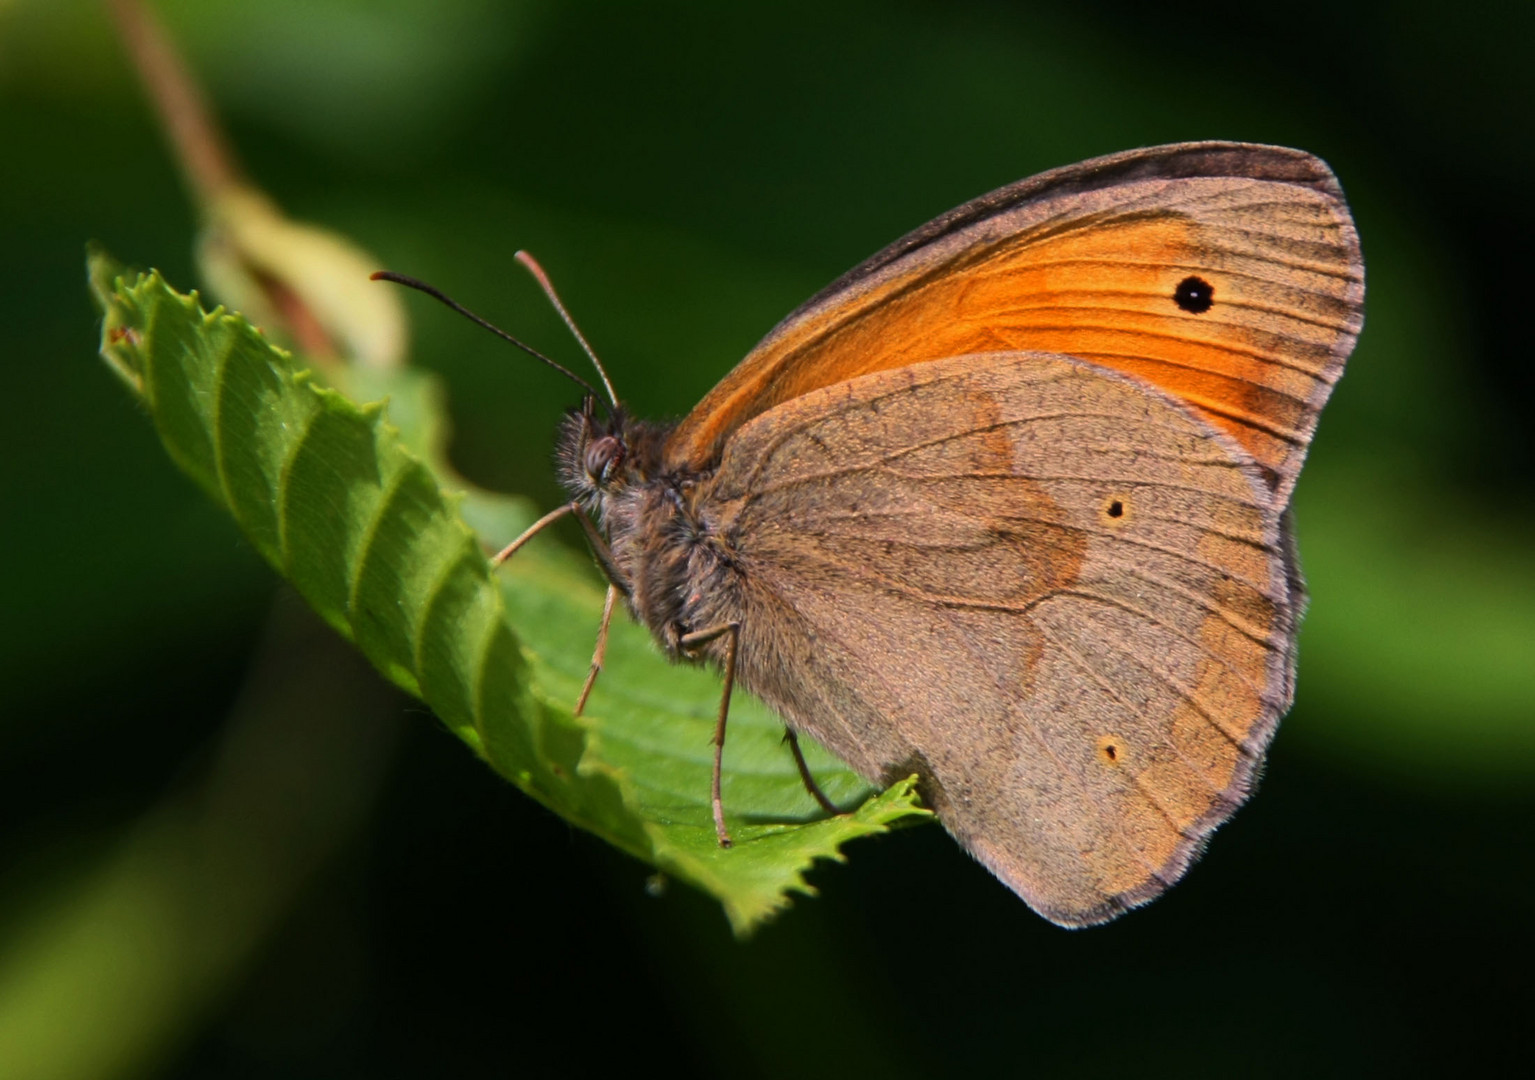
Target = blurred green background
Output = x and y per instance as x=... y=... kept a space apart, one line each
x=227 y=850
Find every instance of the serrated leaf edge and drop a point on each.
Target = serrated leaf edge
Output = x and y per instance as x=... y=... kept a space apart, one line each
x=870 y=818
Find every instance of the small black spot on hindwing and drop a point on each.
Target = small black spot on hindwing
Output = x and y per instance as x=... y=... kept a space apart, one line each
x=1115 y=509
x=1111 y=749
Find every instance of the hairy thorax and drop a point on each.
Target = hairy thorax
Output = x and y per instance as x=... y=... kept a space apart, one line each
x=674 y=567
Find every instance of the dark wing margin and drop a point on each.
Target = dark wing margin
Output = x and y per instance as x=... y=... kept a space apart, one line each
x=1255 y=161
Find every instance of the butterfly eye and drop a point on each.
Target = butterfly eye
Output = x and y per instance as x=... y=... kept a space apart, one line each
x=603 y=455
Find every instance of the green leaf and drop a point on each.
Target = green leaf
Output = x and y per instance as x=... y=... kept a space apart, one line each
x=389 y=546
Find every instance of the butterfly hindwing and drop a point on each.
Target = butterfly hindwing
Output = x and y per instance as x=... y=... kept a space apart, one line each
x=1055 y=592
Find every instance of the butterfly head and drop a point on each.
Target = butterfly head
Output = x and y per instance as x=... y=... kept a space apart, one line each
x=594 y=455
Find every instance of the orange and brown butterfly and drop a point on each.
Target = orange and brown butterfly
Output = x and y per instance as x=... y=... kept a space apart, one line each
x=1006 y=507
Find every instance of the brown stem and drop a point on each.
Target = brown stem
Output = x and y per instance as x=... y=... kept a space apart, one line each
x=196 y=141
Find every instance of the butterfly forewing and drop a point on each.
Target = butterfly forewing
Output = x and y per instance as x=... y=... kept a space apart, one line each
x=1053 y=591
x=1229 y=275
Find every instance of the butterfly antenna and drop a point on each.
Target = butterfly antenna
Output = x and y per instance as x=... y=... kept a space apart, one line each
x=438 y=294
x=554 y=298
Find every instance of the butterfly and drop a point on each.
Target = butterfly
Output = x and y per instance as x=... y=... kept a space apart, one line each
x=1006 y=507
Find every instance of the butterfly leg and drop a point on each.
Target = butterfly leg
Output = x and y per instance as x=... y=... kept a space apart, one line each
x=531 y=531
x=599 y=544
x=732 y=631
x=616 y=577
x=601 y=652
x=804 y=773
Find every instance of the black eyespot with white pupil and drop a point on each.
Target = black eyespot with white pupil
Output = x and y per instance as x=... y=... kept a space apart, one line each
x=1194 y=294
x=603 y=455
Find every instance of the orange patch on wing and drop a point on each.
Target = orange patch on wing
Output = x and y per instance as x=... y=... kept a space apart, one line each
x=1100 y=290
x=1182 y=792
x=1234 y=676
x=1204 y=746
x=1238 y=553
x=1179 y=787
x=1232 y=691
x=1145 y=841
